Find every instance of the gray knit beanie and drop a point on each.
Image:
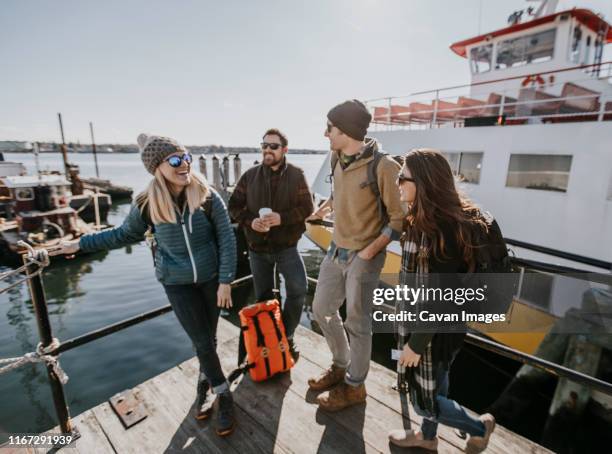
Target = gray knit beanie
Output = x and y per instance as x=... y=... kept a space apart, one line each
x=351 y=117
x=154 y=149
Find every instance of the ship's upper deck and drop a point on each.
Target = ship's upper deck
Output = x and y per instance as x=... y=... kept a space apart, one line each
x=547 y=69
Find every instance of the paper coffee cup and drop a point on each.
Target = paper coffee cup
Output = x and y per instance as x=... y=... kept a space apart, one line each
x=263 y=212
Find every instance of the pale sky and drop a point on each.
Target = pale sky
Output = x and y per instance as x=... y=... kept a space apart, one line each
x=207 y=72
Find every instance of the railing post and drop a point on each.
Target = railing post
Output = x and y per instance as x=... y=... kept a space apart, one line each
x=39 y=302
x=501 y=104
x=435 y=112
x=602 y=107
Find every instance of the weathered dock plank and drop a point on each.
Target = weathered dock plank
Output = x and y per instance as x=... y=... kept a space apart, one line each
x=276 y=416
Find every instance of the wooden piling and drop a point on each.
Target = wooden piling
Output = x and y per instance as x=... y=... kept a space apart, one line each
x=237 y=168
x=216 y=169
x=203 y=169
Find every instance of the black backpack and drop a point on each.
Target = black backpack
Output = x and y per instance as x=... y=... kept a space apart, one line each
x=493 y=270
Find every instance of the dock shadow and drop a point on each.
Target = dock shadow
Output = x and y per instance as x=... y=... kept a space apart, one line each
x=334 y=438
x=257 y=409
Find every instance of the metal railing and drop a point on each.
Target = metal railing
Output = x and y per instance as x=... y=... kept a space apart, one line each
x=440 y=108
x=50 y=347
x=35 y=261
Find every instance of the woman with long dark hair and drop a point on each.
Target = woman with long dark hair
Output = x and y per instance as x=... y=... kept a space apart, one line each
x=194 y=253
x=440 y=238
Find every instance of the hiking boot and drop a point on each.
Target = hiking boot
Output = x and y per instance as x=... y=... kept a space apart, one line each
x=206 y=399
x=474 y=444
x=225 y=414
x=412 y=439
x=295 y=353
x=342 y=396
x=327 y=379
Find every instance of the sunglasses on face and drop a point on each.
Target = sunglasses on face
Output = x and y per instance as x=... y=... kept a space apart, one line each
x=271 y=146
x=401 y=178
x=329 y=127
x=176 y=160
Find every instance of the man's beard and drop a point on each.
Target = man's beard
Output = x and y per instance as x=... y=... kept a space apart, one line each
x=273 y=162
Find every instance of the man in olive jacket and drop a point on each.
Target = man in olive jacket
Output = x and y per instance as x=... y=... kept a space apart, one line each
x=272 y=237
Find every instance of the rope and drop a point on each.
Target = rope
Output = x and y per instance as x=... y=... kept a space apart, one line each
x=39 y=356
x=7 y=274
x=38 y=257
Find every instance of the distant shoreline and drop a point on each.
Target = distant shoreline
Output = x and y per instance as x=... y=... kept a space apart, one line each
x=47 y=147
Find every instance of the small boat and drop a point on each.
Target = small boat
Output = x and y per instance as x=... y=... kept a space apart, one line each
x=37 y=210
x=117 y=192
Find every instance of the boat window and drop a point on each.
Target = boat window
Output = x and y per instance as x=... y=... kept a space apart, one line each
x=575 y=47
x=480 y=58
x=536 y=288
x=598 y=50
x=539 y=171
x=534 y=48
x=23 y=194
x=587 y=51
x=465 y=165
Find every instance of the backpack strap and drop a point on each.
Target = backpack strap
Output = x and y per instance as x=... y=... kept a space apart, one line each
x=333 y=161
x=207 y=207
x=261 y=342
x=372 y=182
x=279 y=336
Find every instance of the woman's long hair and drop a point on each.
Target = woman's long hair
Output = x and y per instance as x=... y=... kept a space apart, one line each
x=157 y=198
x=438 y=201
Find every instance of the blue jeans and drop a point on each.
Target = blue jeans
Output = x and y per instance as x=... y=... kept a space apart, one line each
x=450 y=412
x=195 y=306
x=291 y=266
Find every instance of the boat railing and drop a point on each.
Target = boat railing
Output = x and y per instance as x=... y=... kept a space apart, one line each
x=532 y=102
x=50 y=348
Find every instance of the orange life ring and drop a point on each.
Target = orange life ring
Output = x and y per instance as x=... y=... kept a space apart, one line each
x=533 y=79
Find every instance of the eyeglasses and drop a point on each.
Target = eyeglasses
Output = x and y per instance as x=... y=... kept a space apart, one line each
x=401 y=178
x=271 y=146
x=176 y=160
x=329 y=127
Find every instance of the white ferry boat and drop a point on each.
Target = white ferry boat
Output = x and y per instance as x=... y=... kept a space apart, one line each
x=529 y=138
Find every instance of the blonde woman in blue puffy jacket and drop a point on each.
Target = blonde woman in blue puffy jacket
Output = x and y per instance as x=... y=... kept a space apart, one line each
x=195 y=257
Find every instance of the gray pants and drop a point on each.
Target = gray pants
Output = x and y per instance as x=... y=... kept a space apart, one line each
x=354 y=280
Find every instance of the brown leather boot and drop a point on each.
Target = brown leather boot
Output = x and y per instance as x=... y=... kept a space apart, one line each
x=341 y=396
x=327 y=379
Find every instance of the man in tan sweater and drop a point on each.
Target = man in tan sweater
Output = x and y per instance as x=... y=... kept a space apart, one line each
x=364 y=224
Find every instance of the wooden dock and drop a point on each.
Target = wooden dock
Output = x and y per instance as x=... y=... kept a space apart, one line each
x=277 y=416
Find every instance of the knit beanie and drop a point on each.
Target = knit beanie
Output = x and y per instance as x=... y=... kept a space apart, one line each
x=351 y=117
x=154 y=149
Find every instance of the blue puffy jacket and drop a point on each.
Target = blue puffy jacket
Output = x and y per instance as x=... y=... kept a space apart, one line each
x=190 y=251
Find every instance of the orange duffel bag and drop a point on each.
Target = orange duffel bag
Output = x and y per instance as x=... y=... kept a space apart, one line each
x=265 y=340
